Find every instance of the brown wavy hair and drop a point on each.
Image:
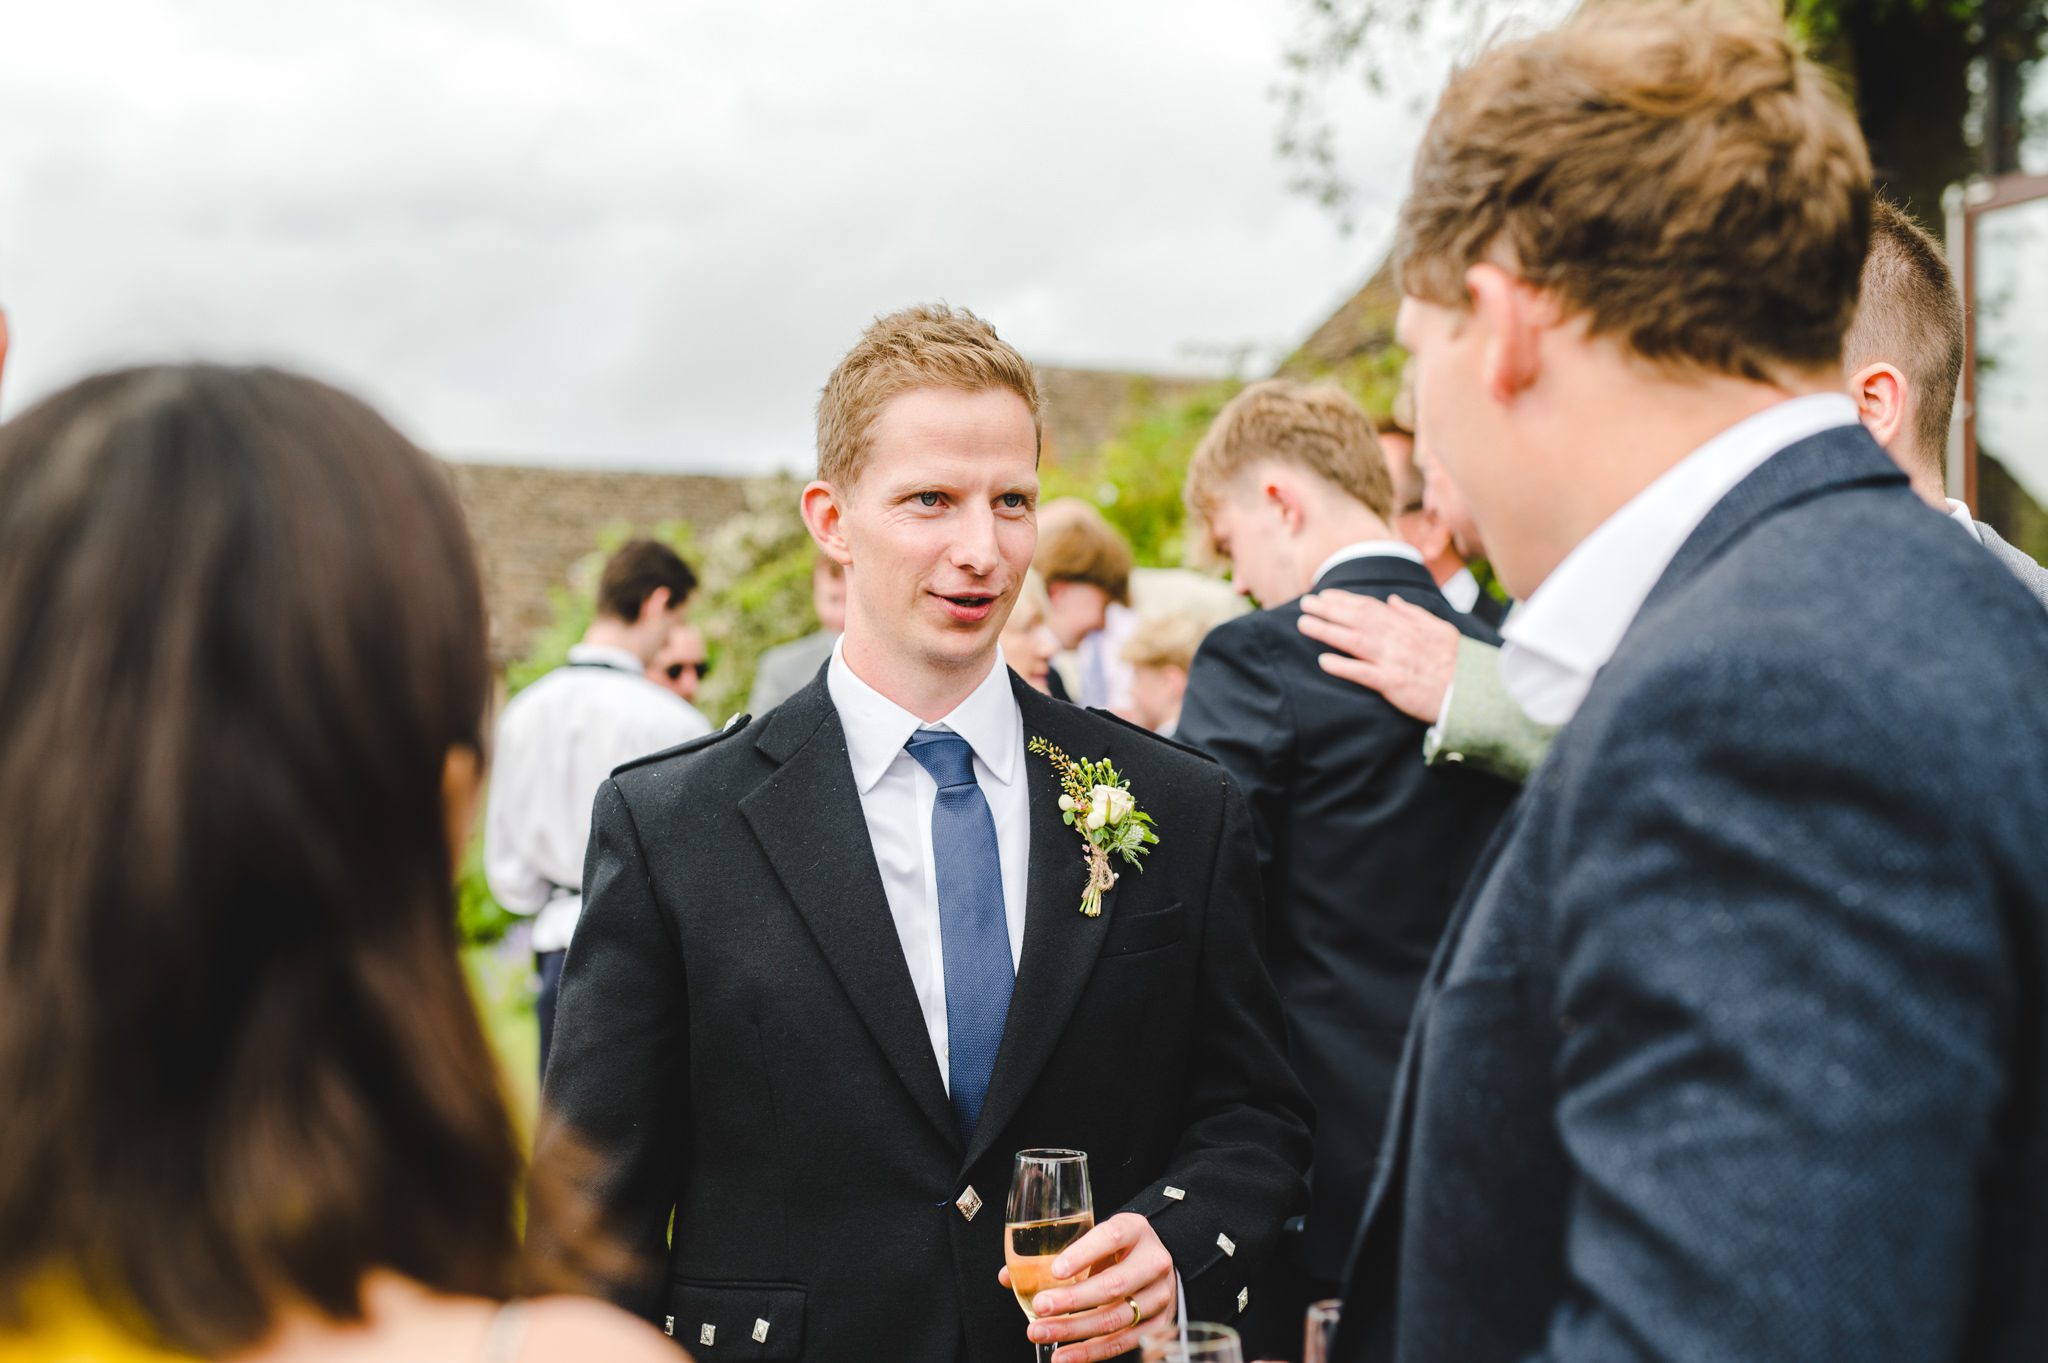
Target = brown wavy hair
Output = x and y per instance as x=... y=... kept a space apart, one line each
x=242 y=631
x=1680 y=175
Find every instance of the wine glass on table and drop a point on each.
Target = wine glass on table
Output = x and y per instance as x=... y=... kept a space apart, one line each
x=1050 y=1208
x=1163 y=1342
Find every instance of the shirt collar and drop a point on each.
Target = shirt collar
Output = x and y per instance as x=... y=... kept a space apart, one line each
x=1562 y=636
x=1959 y=512
x=1461 y=589
x=877 y=727
x=604 y=655
x=1367 y=549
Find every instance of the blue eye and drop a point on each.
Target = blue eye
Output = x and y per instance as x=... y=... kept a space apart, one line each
x=1013 y=500
x=928 y=498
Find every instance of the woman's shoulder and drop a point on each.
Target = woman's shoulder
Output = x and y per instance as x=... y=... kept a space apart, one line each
x=581 y=1327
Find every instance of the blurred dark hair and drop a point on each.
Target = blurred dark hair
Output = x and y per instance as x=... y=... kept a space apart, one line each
x=634 y=573
x=240 y=631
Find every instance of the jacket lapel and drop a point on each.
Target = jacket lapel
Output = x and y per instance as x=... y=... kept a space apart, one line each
x=1060 y=944
x=807 y=817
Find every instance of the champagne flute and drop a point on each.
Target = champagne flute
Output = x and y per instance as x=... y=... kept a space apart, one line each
x=1320 y=1330
x=1204 y=1343
x=1050 y=1208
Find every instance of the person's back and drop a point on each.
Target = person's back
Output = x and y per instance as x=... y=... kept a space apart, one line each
x=1362 y=848
x=560 y=737
x=251 y=1112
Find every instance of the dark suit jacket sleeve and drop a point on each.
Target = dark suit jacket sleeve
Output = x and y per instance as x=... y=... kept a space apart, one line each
x=1235 y=710
x=1779 y=993
x=619 y=1069
x=1245 y=1145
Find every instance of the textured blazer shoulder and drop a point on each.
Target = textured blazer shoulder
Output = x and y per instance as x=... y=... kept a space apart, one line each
x=1737 y=1048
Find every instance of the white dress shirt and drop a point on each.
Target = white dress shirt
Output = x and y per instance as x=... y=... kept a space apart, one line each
x=897 y=795
x=1366 y=549
x=557 y=742
x=1560 y=638
x=1959 y=512
x=1461 y=589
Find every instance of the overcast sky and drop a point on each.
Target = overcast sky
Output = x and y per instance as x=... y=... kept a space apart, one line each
x=637 y=233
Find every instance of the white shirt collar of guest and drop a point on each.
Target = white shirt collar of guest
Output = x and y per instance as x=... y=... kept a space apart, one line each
x=1461 y=589
x=877 y=727
x=1558 y=640
x=1959 y=512
x=1366 y=549
x=604 y=655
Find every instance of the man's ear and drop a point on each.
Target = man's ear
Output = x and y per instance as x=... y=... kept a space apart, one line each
x=1513 y=318
x=1881 y=394
x=1284 y=495
x=655 y=604
x=3 y=344
x=823 y=511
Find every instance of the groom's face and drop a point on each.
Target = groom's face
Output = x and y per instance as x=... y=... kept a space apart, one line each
x=941 y=525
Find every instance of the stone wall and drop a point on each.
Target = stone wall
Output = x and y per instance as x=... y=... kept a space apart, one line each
x=532 y=524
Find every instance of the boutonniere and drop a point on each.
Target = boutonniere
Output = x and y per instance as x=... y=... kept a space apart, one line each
x=1098 y=802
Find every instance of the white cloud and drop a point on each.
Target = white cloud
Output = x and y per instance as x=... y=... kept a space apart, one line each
x=638 y=233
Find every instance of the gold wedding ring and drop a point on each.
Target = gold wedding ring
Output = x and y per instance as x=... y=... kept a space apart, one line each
x=1136 y=1314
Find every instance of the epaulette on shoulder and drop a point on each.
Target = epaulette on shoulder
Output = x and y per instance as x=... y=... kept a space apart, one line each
x=732 y=726
x=1155 y=737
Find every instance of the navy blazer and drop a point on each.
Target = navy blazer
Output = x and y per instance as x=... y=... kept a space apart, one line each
x=1363 y=850
x=1736 y=1050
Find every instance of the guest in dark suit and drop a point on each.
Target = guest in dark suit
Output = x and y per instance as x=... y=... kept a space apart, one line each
x=1362 y=848
x=1904 y=356
x=833 y=970
x=1735 y=1050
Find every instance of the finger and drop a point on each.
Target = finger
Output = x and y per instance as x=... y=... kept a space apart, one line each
x=1108 y=1332
x=1107 y=1240
x=1003 y=1275
x=1137 y=1270
x=1345 y=608
x=1341 y=637
x=1371 y=676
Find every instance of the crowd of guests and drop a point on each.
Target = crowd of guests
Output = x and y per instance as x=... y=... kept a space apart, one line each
x=1586 y=902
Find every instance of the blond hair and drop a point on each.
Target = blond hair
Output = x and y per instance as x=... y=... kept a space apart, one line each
x=1679 y=175
x=1076 y=543
x=1165 y=641
x=1315 y=427
x=1911 y=316
x=928 y=346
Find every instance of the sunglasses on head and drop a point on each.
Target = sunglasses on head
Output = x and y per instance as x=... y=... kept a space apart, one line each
x=675 y=670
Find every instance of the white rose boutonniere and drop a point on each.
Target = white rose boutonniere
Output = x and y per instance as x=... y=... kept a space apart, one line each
x=1098 y=803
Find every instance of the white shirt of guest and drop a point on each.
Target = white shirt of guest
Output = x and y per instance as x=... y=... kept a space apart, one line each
x=1560 y=638
x=1959 y=512
x=897 y=795
x=557 y=742
x=1461 y=589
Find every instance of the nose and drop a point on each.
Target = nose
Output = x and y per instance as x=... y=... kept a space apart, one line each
x=974 y=548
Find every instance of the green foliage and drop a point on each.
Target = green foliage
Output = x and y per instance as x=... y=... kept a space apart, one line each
x=1135 y=478
x=754 y=592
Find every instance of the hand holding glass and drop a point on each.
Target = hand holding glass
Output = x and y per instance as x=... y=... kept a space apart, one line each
x=1050 y=1208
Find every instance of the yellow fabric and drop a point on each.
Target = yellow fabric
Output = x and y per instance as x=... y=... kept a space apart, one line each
x=66 y=1328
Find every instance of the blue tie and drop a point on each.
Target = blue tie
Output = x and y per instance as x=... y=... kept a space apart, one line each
x=973 y=931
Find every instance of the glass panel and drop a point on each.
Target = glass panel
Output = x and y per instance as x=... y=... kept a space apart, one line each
x=2012 y=362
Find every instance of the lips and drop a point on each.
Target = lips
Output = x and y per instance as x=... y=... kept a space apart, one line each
x=970 y=608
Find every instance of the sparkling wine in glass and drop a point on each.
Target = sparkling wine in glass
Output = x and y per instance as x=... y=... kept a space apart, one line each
x=1203 y=1343
x=1050 y=1208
